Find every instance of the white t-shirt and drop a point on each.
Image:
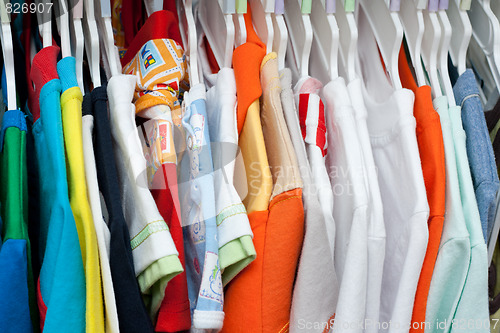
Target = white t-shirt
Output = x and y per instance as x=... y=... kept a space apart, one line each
x=315 y=292
x=376 y=226
x=391 y=126
x=151 y=241
x=346 y=170
x=102 y=231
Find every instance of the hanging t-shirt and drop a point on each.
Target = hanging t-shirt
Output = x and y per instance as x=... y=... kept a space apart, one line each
x=395 y=150
x=62 y=258
x=155 y=256
x=312 y=123
x=243 y=304
x=71 y=106
x=347 y=175
x=15 y=265
x=479 y=149
x=160 y=65
x=286 y=211
x=431 y=148
x=473 y=303
x=101 y=229
x=236 y=249
x=315 y=290
x=453 y=258
x=376 y=226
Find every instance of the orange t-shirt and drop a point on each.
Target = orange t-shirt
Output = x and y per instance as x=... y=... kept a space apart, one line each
x=431 y=147
x=259 y=298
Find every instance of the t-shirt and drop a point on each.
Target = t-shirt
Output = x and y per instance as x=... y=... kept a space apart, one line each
x=315 y=290
x=452 y=263
x=16 y=275
x=71 y=105
x=286 y=212
x=395 y=150
x=197 y=200
x=132 y=314
x=155 y=256
x=479 y=149
x=102 y=231
x=59 y=246
x=243 y=304
x=344 y=162
x=376 y=226
x=431 y=148
x=161 y=68
x=473 y=303
x=313 y=126
x=236 y=249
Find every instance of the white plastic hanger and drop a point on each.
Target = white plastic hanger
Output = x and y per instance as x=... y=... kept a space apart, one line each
x=239 y=22
x=62 y=20
x=189 y=38
x=44 y=21
x=8 y=58
x=300 y=33
x=443 y=57
x=430 y=50
x=323 y=62
x=103 y=18
x=91 y=35
x=152 y=6
x=262 y=21
x=388 y=32
x=348 y=38
x=217 y=24
x=280 y=32
x=77 y=41
x=461 y=35
x=486 y=33
x=412 y=19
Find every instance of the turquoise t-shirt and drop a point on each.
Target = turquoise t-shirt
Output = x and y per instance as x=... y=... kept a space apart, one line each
x=473 y=305
x=452 y=263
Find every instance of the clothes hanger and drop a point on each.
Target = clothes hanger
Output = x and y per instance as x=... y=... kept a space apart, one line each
x=388 y=32
x=239 y=22
x=217 y=24
x=152 y=6
x=103 y=18
x=62 y=20
x=8 y=58
x=412 y=19
x=77 y=41
x=91 y=35
x=189 y=38
x=44 y=19
x=300 y=32
x=461 y=35
x=262 y=21
x=323 y=62
x=486 y=34
x=443 y=53
x=348 y=41
x=430 y=49
x=280 y=32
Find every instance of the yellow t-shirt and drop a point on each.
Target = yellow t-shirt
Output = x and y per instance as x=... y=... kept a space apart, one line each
x=71 y=105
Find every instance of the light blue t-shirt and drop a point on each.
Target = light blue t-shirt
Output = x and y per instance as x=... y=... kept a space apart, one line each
x=62 y=279
x=473 y=304
x=452 y=263
x=196 y=192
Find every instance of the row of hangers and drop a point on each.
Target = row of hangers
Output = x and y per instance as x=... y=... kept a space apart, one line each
x=321 y=36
